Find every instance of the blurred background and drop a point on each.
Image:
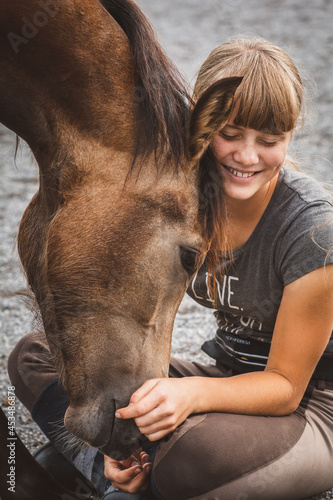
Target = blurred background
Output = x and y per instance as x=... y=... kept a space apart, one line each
x=188 y=31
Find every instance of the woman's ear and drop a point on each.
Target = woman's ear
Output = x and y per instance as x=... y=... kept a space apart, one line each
x=210 y=114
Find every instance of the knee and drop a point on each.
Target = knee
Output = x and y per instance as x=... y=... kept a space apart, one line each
x=14 y=360
x=179 y=472
x=163 y=486
x=30 y=368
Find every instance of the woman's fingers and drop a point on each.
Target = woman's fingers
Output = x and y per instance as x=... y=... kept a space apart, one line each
x=152 y=398
x=118 y=472
x=129 y=475
x=159 y=406
x=137 y=483
x=143 y=390
x=143 y=401
x=159 y=412
x=157 y=419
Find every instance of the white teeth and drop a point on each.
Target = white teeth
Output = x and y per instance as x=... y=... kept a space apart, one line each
x=240 y=174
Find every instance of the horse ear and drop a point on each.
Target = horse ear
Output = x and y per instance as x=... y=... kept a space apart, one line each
x=210 y=114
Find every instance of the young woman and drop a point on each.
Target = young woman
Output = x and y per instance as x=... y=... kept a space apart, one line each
x=259 y=424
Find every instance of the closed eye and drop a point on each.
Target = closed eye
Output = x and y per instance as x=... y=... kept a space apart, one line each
x=189 y=259
x=269 y=143
x=228 y=137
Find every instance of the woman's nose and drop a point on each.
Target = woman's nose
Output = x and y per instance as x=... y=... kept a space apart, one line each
x=246 y=154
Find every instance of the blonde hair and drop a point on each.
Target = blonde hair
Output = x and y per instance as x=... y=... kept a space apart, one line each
x=270 y=96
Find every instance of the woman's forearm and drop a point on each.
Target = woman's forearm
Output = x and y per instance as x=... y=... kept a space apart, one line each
x=161 y=405
x=256 y=393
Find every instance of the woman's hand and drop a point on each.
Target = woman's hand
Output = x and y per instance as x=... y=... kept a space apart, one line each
x=160 y=405
x=130 y=475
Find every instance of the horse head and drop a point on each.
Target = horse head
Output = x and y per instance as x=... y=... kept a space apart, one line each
x=123 y=214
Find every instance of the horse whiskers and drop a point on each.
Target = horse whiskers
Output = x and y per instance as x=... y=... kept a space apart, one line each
x=66 y=442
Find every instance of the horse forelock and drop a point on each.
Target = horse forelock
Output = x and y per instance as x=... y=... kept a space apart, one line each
x=160 y=93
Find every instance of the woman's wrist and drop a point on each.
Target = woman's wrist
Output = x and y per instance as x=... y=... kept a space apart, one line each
x=201 y=394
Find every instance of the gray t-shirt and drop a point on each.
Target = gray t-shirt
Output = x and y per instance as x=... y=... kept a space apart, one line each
x=293 y=237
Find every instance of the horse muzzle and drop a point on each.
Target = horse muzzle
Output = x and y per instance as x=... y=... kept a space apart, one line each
x=96 y=425
x=125 y=439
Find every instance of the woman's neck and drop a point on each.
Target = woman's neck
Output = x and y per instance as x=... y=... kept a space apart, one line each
x=244 y=215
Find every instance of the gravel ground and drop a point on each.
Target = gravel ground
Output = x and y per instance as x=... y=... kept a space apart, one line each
x=188 y=30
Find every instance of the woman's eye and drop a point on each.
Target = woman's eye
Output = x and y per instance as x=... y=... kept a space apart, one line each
x=271 y=140
x=189 y=260
x=228 y=137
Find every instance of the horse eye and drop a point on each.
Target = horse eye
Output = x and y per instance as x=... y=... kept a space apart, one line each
x=189 y=259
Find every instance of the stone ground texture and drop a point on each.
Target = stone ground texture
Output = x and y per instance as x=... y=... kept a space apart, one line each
x=188 y=30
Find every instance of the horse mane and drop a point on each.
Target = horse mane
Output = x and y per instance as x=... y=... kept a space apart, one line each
x=163 y=123
x=160 y=91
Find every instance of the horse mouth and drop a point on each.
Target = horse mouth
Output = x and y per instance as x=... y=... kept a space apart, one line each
x=124 y=440
x=97 y=426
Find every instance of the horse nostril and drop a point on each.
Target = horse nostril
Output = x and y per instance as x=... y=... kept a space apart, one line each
x=90 y=423
x=96 y=425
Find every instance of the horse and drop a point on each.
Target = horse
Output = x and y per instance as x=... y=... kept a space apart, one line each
x=126 y=208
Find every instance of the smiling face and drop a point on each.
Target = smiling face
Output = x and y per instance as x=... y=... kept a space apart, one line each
x=252 y=146
x=249 y=159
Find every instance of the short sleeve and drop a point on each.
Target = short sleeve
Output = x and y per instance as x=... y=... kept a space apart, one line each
x=305 y=243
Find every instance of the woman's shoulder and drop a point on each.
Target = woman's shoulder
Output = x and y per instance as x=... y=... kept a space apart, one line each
x=302 y=204
x=304 y=238
x=305 y=187
x=299 y=203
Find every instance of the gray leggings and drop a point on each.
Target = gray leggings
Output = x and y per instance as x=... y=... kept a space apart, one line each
x=218 y=456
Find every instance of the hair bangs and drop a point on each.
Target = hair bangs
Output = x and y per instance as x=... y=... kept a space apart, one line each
x=264 y=103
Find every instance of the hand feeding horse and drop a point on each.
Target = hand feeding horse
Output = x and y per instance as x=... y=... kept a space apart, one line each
x=125 y=210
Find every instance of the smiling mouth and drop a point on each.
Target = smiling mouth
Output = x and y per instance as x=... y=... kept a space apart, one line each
x=243 y=175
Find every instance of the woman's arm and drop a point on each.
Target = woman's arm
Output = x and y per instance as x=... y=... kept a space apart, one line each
x=303 y=327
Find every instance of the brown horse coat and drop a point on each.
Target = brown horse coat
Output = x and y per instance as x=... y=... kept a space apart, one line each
x=122 y=215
